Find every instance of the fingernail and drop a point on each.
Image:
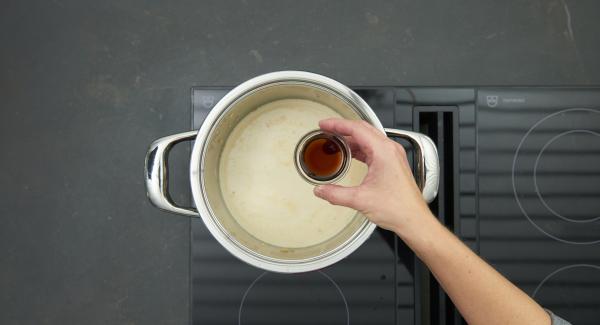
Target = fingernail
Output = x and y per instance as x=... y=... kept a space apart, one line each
x=318 y=190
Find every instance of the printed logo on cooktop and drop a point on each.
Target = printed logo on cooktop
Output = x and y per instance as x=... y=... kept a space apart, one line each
x=492 y=101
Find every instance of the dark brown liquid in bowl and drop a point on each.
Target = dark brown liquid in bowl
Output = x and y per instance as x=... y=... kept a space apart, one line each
x=322 y=158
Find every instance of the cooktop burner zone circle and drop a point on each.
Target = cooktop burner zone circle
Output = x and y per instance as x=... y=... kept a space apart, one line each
x=535 y=182
x=566 y=175
x=571 y=292
x=313 y=295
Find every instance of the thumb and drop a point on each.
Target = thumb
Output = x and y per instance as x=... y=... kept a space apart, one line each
x=338 y=195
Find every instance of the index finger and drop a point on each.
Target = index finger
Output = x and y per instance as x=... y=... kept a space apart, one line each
x=363 y=134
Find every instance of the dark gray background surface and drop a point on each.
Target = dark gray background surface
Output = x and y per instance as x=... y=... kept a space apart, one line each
x=85 y=86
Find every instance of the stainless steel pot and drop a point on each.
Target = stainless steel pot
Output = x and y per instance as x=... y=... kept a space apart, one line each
x=210 y=139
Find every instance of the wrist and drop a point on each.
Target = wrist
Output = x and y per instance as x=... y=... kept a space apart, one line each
x=418 y=230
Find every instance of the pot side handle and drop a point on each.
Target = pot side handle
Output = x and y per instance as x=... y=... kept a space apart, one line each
x=156 y=173
x=428 y=164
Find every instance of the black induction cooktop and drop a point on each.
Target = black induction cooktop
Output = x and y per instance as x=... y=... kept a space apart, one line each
x=520 y=184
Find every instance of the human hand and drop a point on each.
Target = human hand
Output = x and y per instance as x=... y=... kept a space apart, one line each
x=390 y=198
x=388 y=195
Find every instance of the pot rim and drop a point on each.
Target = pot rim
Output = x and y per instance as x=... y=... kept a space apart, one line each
x=197 y=174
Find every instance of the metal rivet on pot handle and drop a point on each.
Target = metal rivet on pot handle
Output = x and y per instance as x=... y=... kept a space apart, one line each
x=428 y=165
x=156 y=173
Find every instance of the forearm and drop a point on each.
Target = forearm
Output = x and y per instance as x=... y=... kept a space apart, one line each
x=389 y=197
x=481 y=294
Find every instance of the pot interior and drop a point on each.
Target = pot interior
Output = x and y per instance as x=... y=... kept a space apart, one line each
x=220 y=204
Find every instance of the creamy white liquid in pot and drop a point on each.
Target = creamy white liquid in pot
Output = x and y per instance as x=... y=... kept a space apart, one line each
x=261 y=186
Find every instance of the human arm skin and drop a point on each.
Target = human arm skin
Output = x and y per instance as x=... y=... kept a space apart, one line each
x=389 y=197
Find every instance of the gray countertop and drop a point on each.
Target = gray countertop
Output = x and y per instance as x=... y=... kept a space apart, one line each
x=85 y=86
